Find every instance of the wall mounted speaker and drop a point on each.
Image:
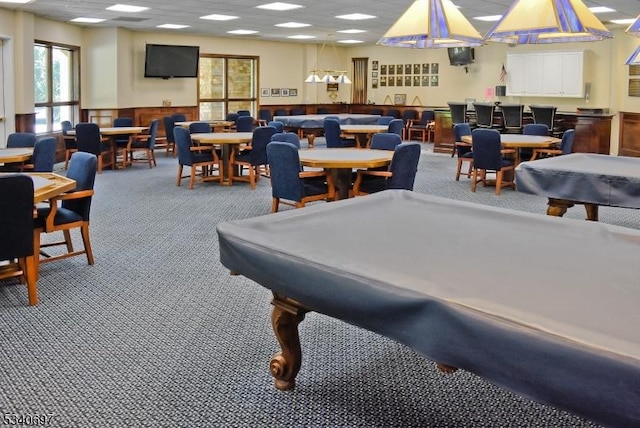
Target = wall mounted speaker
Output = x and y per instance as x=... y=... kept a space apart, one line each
x=501 y=91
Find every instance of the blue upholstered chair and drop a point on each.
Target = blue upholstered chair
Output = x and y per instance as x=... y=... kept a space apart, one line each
x=245 y=124
x=276 y=124
x=401 y=173
x=376 y=110
x=543 y=114
x=289 y=184
x=73 y=211
x=232 y=117
x=193 y=156
x=122 y=140
x=168 y=142
x=287 y=137
x=332 y=134
x=396 y=126
x=145 y=143
x=179 y=117
x=385 y=141
x=488 y=156
x=264 y=115
x=16 y=232
x=384 y=120
x=297 y=111
x=44 y=155
x=535 y=129
x=394 y=112
x=21 y=139
x=89 y=141
x=281 y=112
x=323 y=110
x=408 y=116
x=512 y=117
x=70 y=145
x=425 y=126
x=566 y=145
x=462 y=149
x=199 y=127
x=251 y=159
x=244 y=113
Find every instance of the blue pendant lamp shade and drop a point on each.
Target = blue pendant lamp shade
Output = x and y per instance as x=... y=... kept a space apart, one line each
x=548 y=21
x=634 y=30
x=432 y=24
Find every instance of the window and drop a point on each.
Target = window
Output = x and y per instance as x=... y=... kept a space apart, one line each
x=56 y=85
x=226 y=85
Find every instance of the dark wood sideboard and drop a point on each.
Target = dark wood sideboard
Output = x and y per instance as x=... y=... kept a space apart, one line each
x=629 y=141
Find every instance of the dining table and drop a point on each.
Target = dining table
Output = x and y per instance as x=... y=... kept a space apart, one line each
x=311 y=124
x=228 y=141
x=522 y=141
x=340 y=162
x=111 y=132
x=15 y=154
x=216 y=125
x=364 y=131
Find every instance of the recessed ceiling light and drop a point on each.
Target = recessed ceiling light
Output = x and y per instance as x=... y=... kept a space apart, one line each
x=351 y=31
x=279 y=6
x=626 y=21
x=601 y=9
x=172 y=26
x=126 y=8
x=350 y=41
x=301 y=37
x=216 y=17
x=293 y=25
x=242 y=32
x=488 y=18
x=355 y=16
x=87 y=20
x=16 y=1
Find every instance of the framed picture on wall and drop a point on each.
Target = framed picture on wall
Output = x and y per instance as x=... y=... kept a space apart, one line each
x=407 y=80
x=434 y=68
x=332 y=87
x=383 y=70
x=284 y=92
x=293 y=92
x=275 y=92
x=399 y=69
x=374 y=83
x=434 y=80
x=416 y=68
x=400 y=99
x=416 y=80
x=407 y=69
x=398 y=80
x=265 y=92
x=425 y=80
x=383 y=80
x=374 y=74
x=425 y=68
x=374 y=65
x=392 y=81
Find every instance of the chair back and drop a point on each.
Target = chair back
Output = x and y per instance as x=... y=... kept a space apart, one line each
x=276 y=124
x=458 y=112
x=82 y=169
x=66 y=126
x=265 y=114
x=404 y=166
x=460 y=130
x=384 y=120
x=567 y=141
x=297 y=111
x=376 y=110
x=179 y=117
x=281 y=112
x=408 y=115
x=487 y=149
x=396 y=126
x=16 y=217
x=426 y=117
x=261 y=138
x=21 y=139
x=119 y=122
x=332 y=133
x=284 y=168
x=543 y=114
x=182 y=138
x=153 y=133
x=512 y=115
x=88 y=138
x=323 y=110
x=393 y=112
x=232 y=117
x=199 y=127
x=286 y=137
x=244 y=124
x=169 y=124
x=484 y=114
x=244 y=113
x=44 y=154
x=535 y=129
x=385 y=141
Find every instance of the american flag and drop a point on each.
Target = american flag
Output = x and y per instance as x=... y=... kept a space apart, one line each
x=503 y=74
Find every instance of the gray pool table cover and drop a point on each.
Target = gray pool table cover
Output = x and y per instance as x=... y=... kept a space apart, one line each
x=583 y=177
x=543 y=306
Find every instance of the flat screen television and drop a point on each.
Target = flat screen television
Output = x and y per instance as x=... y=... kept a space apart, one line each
x=166 y=61
x=461 y=56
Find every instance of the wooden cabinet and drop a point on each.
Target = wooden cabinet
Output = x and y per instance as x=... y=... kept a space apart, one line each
x=593 y=131
x=546 y=74
x=443 y=139
x=629 y=134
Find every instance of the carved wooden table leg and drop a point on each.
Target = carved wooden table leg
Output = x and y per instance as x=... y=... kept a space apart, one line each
x=592 y=211
x=558 y=207
x=446 y=368
x=311 y=138
x=286 y=316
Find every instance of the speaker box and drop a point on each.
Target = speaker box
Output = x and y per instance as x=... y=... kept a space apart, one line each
x=501 y=91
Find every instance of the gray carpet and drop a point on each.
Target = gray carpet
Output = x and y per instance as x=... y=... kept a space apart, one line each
x=157 y=334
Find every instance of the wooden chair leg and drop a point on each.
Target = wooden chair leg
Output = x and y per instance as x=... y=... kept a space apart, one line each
x=275 y=204
x=499 y=175
x=32 y=278
x=179 y=175
x=84 y=229
x=36 y=251
x=193 y=177
x=67 y=240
